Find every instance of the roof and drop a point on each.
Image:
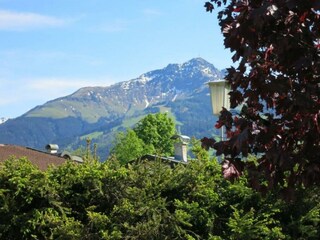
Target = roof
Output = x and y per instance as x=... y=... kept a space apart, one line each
x=74 y=158
x=169 y=160
x=41 y=159
x=182 y=138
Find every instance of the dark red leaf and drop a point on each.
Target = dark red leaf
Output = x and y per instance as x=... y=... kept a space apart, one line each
x=239 y=9
x=209 y=6
x=275 y=45
x=303 y=16
x=207 y=143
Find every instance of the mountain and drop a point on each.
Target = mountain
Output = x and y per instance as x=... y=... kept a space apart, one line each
x=3 y=119
x=100 y=112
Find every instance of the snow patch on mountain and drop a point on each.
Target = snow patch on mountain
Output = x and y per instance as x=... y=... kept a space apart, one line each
x=144 y=79
x=174 y=98
x=125 y=85
x=147 y=103
x=3 y=120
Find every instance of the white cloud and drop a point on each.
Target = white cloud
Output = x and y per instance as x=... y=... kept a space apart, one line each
x=20 y=21
x=18 y=96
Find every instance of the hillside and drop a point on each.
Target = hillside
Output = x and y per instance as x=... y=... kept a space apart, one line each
x=99 y=112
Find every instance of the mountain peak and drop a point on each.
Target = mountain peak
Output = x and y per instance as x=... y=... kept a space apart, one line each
x=197 y=61
x=99 y=112
x=192 y=63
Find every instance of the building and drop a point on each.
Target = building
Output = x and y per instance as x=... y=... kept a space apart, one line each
x=41 y=159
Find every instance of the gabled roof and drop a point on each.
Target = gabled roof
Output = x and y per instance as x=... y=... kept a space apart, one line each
x=41 y=159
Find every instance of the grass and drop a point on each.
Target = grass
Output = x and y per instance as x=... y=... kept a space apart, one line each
x=168 y=110
x=88 y=112
x=92 y=135
x=49 y=112
x=130 y=122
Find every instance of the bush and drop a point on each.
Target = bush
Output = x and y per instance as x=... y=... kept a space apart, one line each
x=146 y=200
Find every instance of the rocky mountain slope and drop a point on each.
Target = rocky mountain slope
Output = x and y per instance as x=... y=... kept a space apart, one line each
x=99 y=112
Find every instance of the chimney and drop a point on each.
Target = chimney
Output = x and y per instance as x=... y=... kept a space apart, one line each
x=180 y=147
x=52 y=148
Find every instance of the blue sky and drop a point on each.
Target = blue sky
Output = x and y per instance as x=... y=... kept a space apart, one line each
x=51 y=48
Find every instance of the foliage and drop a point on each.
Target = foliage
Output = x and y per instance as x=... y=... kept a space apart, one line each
x=276 y=46
x=198 y=151
x=130 y=147
x=30 y=205
x=157 y=130
x=151 y=135
x=146 y=200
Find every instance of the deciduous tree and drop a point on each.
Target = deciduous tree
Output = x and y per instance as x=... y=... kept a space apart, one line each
x=157 y=130
x=129 y=147
x=276 y=54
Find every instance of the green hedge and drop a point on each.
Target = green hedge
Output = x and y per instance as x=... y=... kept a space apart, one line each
x=146 y=200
